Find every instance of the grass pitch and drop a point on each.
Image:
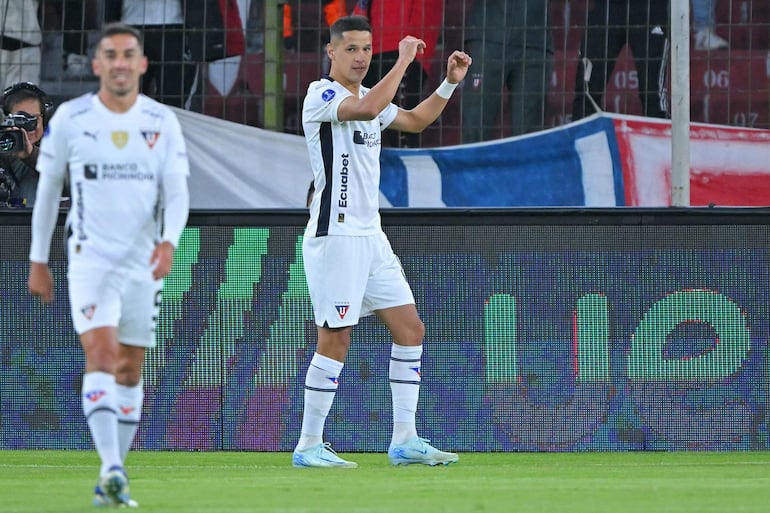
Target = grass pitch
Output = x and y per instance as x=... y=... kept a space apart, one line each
x=222 y=482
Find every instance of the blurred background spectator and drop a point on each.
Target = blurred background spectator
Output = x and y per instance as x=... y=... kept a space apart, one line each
x=391 y=21
x=510 y=43
x=171 y=75
x=703 y=21
x=20 y=37
x=73 y=25
x=611 y=25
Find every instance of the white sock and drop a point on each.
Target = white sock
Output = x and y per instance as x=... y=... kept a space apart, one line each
x=321 y=383
x=101 y=411
x=129 y=412
x=404 y=376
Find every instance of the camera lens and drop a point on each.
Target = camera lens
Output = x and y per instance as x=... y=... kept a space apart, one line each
x=6 y=141
x=9 y=140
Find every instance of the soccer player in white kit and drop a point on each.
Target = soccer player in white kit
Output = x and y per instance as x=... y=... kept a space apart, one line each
x=127 y=166
x=350 y=267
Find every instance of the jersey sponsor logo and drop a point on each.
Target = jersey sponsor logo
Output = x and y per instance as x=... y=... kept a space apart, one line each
x=120 y=138
x=369 y=140
x=92 y=135
x=91 y=171
x=94 y=395
x=328 y=95
x=124 y=171
x=150 y=137
x=343 y=201
x=342 y=310
x=88 y=311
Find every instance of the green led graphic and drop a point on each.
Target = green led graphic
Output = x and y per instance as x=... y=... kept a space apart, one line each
x=646 y=361
x=288 y=333
x=235 y=295
x=592 y=320
x=501 y=360
x=180 y=279
x=175 y=285
x=500 y=339
x=242 y=269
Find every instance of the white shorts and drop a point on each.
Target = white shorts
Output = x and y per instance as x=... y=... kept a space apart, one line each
x=106 y=298
x=351 y=277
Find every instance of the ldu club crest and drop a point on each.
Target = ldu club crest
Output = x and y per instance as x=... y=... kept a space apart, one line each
x=120 y=138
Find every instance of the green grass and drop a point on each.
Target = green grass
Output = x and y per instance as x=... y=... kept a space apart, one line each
x=222 y=482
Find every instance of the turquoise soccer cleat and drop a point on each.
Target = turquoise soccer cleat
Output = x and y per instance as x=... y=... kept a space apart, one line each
x=320 y=456
x=417 y=450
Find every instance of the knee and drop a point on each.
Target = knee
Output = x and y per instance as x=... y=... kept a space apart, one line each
x=128 y=373
x=415 y=333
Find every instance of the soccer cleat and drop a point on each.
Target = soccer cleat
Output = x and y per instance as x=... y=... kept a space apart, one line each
x=320 y=456
x=418 y=450
x=102 y=501
x=112 y=489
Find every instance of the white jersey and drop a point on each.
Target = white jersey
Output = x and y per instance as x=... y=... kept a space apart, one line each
x=116 y=164
x=345 y=156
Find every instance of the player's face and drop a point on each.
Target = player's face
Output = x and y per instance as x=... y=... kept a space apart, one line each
x=31 y=107
x=119 y=62
x=350 y=56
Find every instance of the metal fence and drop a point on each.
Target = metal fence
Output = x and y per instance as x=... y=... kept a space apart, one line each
x=273 y=50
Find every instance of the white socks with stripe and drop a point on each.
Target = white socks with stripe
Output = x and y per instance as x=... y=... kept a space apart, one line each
x=321 y=383
x=404 y=376
x=129 y=412
x=101 y=411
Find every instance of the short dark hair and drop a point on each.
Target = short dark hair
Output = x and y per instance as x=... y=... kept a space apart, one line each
x=21 y=91
x=115 y=28
x=346 y=23
x=17 y=93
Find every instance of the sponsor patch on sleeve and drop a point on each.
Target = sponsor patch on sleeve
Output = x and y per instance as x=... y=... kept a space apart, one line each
x=328 y=95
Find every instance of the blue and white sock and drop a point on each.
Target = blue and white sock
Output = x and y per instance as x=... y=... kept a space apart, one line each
x=321 y=383
x=404 y=376
x=100 y=408
x=130 y=401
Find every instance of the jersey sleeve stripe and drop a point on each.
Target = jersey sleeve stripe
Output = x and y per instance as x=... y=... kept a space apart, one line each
x=327 y=154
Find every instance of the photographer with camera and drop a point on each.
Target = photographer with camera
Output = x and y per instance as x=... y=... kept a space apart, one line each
x=25 y=107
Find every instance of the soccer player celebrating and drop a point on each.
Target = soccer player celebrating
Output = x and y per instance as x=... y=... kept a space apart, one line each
x=127 y=163
x=350 y=267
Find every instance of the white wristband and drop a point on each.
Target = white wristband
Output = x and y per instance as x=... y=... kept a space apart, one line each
x=446 y=89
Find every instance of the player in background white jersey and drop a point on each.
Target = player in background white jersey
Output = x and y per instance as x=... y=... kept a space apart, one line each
x=128 y=169
x=350 y=267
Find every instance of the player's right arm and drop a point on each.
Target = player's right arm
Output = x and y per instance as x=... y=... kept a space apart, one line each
x=382 y=94
x=52 y=166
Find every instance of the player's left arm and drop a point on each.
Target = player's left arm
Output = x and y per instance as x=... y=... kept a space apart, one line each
x=175 y=196
x=420 y=117
x=176 y=201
